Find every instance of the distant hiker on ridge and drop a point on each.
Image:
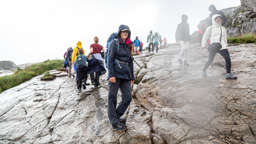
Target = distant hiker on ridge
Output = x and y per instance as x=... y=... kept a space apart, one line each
x=150 y=41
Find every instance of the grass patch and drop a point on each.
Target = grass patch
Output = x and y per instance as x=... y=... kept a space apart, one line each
x=29 y=72
x=47 y=76
x=242 y=39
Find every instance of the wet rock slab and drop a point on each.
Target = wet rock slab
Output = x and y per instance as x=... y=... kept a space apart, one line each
x=172 y=103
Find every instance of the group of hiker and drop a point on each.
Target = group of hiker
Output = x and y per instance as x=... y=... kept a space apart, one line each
x=154 y=40
x=215 y=37
x=118 y=57
x=77 y=62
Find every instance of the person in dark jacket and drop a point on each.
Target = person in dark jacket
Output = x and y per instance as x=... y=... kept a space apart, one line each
x=120 y=75
x=183 y=37
x=68 y=59
x=214 y=11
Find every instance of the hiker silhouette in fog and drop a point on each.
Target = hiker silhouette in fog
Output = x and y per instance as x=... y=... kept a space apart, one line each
x=214 y=11
x=137 y=45
x=75 y=54
x=218 y=44
x=120 y=75
x=183 y=37
x=165 y=41
x=96 y=65
x=150 y=41
x=156 y=41
x=81 y=69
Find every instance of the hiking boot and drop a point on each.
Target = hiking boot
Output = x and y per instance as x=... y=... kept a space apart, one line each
x=84 y=87
x=230 y=76
x=122 y=121
x=180 y=61
x=79 y=90
x=186 y=63
x=204 y=74
x=120 y=127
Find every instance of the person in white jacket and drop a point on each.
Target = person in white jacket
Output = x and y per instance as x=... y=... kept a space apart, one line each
x=218 y=44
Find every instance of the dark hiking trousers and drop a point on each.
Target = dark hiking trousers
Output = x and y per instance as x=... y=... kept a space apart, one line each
x=155 y=45
x=224 y=53
x=95 y=77
x=114 y=113
x=81 y=76
x=150 y=46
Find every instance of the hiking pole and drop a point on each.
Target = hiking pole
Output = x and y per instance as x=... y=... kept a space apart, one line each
x=137 y=63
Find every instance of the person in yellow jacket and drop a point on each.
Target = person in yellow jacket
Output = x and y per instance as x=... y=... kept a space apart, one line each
x=75 y=54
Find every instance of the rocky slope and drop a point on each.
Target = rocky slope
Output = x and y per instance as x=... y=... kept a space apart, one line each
x=171 y=104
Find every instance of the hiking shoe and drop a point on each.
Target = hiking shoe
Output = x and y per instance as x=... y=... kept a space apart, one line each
x=204 y=74
x=84 y=87
x=180 y=61
x=230 y=76
x=120 y=127
x=122 y=121
x=79 y=90
x=186 y=63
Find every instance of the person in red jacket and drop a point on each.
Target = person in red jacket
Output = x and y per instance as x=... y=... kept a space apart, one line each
x=141 y=47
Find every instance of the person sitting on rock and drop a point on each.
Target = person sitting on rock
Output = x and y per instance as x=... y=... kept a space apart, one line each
x=81 y=69
x=214 y=11
x=120 y=75
x=218 y=44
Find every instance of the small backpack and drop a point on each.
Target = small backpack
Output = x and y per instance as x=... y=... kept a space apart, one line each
x=80 y=62
x=113 y=36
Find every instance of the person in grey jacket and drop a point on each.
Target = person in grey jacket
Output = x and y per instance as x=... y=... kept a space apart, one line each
x=150 y=41
x=183 y=37
x=120 y=75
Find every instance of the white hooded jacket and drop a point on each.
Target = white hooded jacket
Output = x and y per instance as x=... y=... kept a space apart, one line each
x=213 y=33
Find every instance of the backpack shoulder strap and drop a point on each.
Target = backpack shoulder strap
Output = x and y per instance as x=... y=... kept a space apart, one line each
x=117 y=44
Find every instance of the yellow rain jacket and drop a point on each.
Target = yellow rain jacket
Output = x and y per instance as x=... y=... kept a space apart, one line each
x=75 y=51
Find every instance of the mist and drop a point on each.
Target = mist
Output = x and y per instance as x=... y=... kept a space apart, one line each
x=35 y=30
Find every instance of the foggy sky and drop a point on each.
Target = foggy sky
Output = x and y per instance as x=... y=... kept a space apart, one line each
x=37 y=30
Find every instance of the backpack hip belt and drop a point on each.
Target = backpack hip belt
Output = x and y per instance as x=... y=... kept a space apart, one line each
x=118 y=63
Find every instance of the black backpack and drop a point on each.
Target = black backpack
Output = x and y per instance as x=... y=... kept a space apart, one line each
x=80 y=62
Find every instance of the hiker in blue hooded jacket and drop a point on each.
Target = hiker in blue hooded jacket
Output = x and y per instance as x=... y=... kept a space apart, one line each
x=120 y=75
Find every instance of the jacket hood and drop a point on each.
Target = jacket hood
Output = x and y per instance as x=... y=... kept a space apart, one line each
x=184 y=18
x=122 y=27
x=79 y=44
x=214 y=17
x=212 y=7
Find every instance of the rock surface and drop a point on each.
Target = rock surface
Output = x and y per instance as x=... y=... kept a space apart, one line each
x=171 y=103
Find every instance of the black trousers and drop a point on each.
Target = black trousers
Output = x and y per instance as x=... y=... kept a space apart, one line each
x=114 y=113
x=155 y=45
x=224 y=53
x=81 y=76
x=95 y=77
x=150 y=46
